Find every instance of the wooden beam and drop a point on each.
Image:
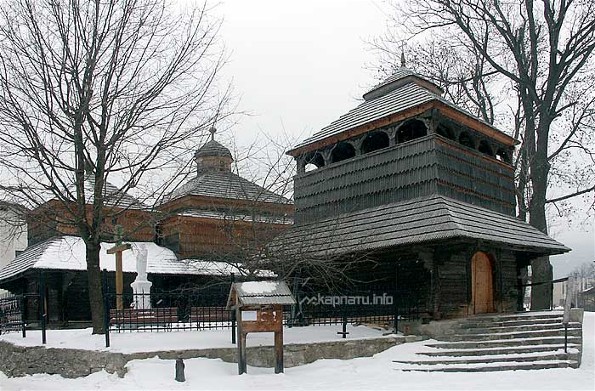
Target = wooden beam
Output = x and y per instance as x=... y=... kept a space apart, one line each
x=118 y=249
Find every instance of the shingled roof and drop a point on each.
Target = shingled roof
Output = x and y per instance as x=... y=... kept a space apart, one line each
x=421 y=220
x=113 y=196
x=225 y=184
x=401 y=91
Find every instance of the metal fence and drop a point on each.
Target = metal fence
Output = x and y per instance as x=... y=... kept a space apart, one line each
x=206 y=310
x=167 y=311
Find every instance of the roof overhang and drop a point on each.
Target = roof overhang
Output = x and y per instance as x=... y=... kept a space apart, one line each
x=431 y=221
x=444 y=109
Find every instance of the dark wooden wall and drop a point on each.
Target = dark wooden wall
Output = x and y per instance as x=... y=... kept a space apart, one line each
x=428 y=165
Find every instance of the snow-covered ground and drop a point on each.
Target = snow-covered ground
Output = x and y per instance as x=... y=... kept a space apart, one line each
x=378 y=372
x=132 y=342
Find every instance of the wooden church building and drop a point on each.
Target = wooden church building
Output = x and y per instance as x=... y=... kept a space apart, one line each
x=201 y=232
x=426 y=191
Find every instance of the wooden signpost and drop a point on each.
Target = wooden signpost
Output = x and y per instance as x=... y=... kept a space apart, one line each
x=259 y=308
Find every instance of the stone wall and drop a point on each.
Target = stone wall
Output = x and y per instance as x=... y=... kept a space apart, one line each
x=21 y=361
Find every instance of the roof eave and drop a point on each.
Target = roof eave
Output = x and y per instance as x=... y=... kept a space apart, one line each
x=361 y=129
x=444 y=109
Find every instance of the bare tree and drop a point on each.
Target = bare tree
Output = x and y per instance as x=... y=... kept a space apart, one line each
x=97 y=90
x=543 y=52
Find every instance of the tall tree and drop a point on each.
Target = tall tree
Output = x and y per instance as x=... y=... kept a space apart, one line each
x=542 y=51
x=101 y=89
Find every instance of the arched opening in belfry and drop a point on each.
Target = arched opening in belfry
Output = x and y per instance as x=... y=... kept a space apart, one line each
x=411 y=130
x=485 y=148
x=374 y=141
x=342 y=151
x=314 y=161
x=466 y=140
x=445 y=131
x=503 y=156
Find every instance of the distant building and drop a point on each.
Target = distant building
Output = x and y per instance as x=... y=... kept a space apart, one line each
x=13 y=232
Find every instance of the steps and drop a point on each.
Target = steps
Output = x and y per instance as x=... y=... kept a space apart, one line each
x=485 y=343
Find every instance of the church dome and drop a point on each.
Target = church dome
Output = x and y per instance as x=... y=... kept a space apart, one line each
x=213 y=156
x=213 y=148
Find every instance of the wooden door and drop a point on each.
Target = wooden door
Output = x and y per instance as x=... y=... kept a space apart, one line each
x=482 y=284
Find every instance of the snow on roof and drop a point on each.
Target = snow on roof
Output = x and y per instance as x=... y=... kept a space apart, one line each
x=259 y=293
x=259 y=287
x=68 y=253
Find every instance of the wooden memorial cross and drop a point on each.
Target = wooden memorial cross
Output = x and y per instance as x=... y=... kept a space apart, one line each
x=118 y=248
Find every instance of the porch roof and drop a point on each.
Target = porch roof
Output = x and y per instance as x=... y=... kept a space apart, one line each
x=425 y=220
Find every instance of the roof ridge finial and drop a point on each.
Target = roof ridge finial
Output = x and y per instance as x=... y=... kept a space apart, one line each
x=213 y=130
x=402 y=54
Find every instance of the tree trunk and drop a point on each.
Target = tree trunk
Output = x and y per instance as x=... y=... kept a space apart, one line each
x=95 y=291
x=541 y=269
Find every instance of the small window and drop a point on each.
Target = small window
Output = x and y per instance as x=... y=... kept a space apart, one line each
x=411 y=130
x=375 y=141
x=342 y=151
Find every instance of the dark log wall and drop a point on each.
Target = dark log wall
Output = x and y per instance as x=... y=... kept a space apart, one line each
x=506 y=300
x=453 y=285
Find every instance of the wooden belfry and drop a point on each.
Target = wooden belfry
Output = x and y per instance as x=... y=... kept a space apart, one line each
x=259 y=308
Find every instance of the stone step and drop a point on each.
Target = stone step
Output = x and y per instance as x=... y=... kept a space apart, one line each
x=513 y=335
x=517 y=328
x=516 y=316
x=546 y=364
x=524 y=357
x=505 y=342
x=499 y=350
x=525 y=322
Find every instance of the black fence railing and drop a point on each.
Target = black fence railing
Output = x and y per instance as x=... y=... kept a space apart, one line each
x=206 y=309
x=12 y=309
x=167 y=311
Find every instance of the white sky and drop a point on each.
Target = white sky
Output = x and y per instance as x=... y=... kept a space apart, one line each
x=298 y=65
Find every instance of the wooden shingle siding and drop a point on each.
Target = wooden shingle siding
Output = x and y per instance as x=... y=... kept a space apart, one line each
x=381 y=177
x=472 y=178
x=429 y=165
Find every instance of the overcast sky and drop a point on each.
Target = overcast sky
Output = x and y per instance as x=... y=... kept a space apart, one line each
x=298 y=65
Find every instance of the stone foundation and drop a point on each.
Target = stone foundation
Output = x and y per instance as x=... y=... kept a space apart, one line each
x=71 y=363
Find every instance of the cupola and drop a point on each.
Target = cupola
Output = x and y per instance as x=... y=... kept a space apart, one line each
x=213 y=156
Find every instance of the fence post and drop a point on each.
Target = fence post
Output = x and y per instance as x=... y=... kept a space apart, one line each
x=233 y=316
x=395 y=300
x=22 y=308
x=106 y=309
x=42 y=306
